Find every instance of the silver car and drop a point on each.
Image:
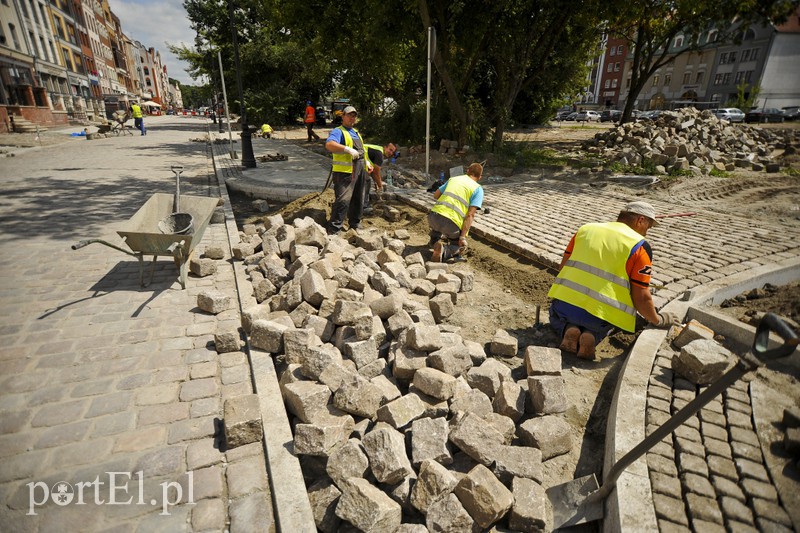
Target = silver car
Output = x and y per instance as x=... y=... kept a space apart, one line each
x=731 y=114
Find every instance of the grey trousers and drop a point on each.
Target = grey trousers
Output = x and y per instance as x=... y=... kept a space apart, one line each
x=349 y=202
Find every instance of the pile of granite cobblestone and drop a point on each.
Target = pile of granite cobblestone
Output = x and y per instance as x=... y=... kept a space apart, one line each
x=401 y=422
x=697 y=141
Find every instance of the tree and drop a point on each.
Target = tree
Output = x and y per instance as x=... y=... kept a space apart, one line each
x=746 y=96
x=651 y=26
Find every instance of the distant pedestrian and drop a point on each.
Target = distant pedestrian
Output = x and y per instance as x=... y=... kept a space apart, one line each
x=138 y=118
x=375 y=155
x=349 y=172
x=310 y=119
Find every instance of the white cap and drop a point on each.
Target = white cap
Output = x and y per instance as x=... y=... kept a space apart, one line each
x=642 y=208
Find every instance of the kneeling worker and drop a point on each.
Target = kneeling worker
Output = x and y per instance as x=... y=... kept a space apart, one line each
x=457 y=202
x=604 y=279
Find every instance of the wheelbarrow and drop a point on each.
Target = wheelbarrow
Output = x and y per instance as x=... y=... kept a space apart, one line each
x=582 y=500
x=143 y=236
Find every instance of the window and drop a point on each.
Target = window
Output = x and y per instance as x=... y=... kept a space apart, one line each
x=608 y=84
x=616 y=67
x=33 y=11
x=667 y=79
x=628 y=83
x=13 y=31
x=2 y=36
x=68 y=59
x=34 y=52
x=749 y=35
x=699 y=78
x=678 y=41
x=750 y=54
x=655 y=80
x=723 y=58
x=687 y=77
x=712 y=36
x=614 y=83
x=147 y=73
x=149 y=84
x=732 y=57
x=613 y=51
x=59 y=24
x=43 y=47
x=52 y=50
x=610 y=67
x=619 y=50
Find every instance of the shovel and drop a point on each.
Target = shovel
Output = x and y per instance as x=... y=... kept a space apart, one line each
x=581 y=500
x=177 y=223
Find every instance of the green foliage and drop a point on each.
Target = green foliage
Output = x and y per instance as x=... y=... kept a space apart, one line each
x=677 y=172
x=529 y=155
x=746 y=97
x=717 y=173
x=789 y=171
x=647 y=168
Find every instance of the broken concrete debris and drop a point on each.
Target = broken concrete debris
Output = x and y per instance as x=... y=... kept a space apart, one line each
x=692 y=140
x=397 y=417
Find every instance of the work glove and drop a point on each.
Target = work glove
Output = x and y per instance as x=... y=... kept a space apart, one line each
x=352 y=151
x=667 y=319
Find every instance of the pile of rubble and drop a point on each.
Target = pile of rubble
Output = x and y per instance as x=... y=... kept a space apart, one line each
x=398 y=418
x=688 y=139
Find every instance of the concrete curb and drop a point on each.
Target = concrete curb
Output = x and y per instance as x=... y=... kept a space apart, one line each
x=290 y=504
x=630 y=506
x=258 y=190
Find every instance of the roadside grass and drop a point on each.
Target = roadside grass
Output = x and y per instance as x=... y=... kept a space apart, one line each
x=527 y=154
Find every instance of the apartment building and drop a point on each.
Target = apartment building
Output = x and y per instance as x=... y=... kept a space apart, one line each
x=764 y=55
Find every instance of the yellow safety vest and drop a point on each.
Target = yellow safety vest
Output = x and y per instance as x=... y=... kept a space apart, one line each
x=374 y=147
x=454 y=201
x=594 y=277
x=343 y=162
x=136 y=111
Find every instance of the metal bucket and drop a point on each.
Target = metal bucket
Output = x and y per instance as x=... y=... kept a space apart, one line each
x=177 y=223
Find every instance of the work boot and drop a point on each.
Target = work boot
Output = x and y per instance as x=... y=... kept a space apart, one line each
x=570 y=341
x=586 y=346
x=438 y=248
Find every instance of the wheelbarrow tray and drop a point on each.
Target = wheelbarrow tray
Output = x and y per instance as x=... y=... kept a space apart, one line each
x=141 y=232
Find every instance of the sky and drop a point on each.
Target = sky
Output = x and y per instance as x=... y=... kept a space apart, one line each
x=155 y=23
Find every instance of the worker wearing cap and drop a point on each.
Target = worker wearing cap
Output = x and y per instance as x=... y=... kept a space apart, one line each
x=349 y=172
x=310 y=118
x=604 y=279
x=375 y=155
x=457 y=202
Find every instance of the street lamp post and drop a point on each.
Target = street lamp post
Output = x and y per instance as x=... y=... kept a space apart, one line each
x=248 y=158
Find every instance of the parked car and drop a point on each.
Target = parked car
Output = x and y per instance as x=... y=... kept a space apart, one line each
x=731 y=114
x=572 y=116
x=587 y=116
x=562 y=115
x=792 y=112
x=769 y=114
x=610 y=115
x=650 y=115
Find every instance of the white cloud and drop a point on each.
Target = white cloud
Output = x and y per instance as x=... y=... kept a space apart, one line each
x=155 y=23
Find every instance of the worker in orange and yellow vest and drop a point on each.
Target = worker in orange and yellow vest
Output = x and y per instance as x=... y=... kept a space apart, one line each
x=310 y=118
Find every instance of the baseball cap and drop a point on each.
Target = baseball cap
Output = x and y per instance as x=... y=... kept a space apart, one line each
x=350 y=109
x=642 y=208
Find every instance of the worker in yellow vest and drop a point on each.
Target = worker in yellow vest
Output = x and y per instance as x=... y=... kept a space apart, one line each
x=604 y=279
x=349 y=172
x=138 y=118
x=457 y=202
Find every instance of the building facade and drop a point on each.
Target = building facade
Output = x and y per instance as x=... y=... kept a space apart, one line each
x=64 y=61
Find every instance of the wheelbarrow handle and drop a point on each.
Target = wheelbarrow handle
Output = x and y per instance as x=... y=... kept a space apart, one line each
x=773 y=323
x=81 y=244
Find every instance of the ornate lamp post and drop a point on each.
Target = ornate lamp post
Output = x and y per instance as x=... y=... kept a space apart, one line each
x=248 y=159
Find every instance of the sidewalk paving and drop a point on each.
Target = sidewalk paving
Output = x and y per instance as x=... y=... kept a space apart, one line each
x=101 y=376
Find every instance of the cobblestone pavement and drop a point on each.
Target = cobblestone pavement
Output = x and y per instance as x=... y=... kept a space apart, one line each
x=709 y=475
x=99 y=376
